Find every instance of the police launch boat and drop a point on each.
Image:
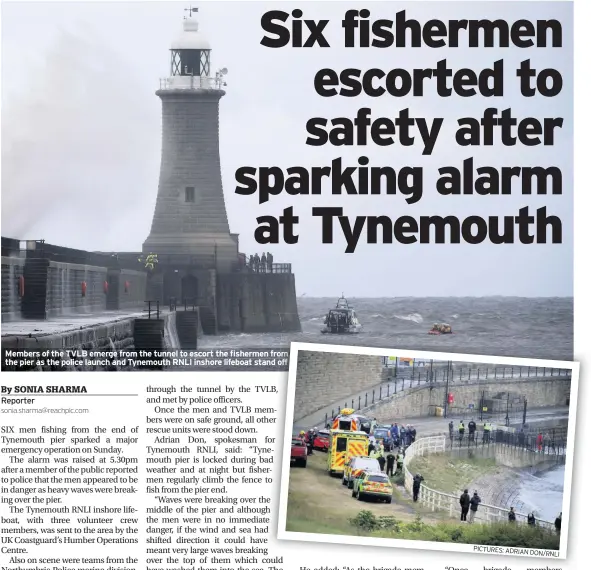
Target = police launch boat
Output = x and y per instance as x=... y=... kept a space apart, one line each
x=342 y=319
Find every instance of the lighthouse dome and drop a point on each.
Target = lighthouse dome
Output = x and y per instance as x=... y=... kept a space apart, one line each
x=190 y=37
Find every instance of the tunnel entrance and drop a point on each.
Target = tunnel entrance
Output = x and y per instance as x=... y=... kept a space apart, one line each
x=189 y=291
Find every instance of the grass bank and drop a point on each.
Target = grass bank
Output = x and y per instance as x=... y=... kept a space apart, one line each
x=452 y=474
x=496 y=534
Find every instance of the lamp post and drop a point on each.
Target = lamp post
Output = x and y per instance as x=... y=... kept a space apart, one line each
x=447 y=389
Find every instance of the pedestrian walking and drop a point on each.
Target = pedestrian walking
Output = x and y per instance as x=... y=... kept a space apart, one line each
x=464 y=505
x=474 y=502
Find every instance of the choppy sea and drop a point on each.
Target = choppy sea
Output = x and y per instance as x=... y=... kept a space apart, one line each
x=543 y=494
x=497 y=326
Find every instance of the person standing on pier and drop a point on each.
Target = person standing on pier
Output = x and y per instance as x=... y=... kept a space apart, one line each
x=270 y=261
x=474 y=502
x=465 y=505
x=558 y=523
x=264 y=263
x=461 y=430
x=451 y=429
x=471 y=430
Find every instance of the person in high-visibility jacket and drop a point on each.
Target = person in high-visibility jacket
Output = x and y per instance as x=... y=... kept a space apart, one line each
x=486 y=433
x=381 y=458
x=399 y=462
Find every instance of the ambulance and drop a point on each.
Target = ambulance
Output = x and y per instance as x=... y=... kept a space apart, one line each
x=343 y=446
x=348 y=420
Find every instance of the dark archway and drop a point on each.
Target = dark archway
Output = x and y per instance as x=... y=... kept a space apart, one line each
x=189 y=291
x=171 y=286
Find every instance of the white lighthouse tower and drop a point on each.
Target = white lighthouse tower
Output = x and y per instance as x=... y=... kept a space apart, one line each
x=190 y=221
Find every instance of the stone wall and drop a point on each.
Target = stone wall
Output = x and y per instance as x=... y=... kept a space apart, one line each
x=257 y=302
x=325 y=377
x=135 y=295
x=416 y=402
x=64 y=289
x=12 y=269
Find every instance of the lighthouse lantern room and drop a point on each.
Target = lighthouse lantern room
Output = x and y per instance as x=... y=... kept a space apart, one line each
x=190 y=52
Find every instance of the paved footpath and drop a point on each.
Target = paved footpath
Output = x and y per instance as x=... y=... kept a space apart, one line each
x=432 y=425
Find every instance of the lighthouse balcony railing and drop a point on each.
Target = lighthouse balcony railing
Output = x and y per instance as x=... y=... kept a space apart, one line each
x=189 y=82
x=266 y=268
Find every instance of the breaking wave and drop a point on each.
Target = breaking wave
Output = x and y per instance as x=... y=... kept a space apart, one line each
x=414 y=317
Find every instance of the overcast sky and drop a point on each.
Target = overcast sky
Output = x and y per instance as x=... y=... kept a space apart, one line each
x=81 y=138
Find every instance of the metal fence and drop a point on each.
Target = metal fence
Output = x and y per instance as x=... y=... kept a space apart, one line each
x=552 y=442
x=507 y=410
x=440 y=501
x=470 y=373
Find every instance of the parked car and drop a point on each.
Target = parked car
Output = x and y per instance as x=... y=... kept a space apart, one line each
x=321 y=441
x=356 y=467
x=382 y=435
x=299 y=452
x=372 y=484
x=365 y=424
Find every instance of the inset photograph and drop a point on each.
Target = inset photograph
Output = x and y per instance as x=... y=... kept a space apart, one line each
x=428 y=450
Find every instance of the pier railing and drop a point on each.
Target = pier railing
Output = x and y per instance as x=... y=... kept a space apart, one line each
x=553 y=441
x=472 y=374
x=440 y=501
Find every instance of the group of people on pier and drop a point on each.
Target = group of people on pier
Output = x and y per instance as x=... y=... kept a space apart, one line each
x=261 y=264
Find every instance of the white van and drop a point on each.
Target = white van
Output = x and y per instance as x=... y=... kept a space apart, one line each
x=356 y=466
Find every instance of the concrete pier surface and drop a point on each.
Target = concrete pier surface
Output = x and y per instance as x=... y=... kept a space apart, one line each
x=68 y=323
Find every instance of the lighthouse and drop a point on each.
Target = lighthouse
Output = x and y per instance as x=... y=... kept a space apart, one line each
x=195 y=266
x=190 y=224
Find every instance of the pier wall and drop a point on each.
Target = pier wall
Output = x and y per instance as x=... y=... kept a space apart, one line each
x=53 y=279
x=126 y=334
x=416 y=402
x=12 y=270
x=257 y=302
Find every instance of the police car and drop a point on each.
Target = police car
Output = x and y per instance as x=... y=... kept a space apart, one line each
x=372 y=484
